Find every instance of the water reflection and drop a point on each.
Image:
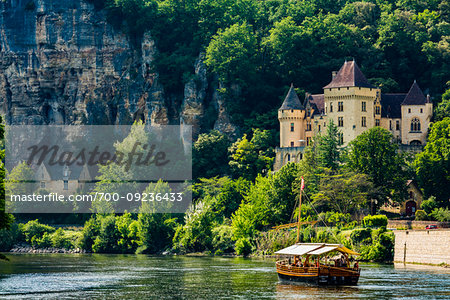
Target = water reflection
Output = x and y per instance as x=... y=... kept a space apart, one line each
x=143 y=277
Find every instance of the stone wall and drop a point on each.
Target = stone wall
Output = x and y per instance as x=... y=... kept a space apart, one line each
x=422 y=246
x=407 y=224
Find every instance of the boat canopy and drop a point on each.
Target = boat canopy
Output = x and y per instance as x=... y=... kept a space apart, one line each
x=314 y=249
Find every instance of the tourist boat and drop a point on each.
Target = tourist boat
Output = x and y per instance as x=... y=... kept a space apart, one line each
x=316 y=262
x=309 y=262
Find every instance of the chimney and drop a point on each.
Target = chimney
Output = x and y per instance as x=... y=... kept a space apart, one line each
x=333 y=74
x=428 y=98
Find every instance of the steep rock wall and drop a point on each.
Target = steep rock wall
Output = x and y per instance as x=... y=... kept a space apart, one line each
x=62 y=63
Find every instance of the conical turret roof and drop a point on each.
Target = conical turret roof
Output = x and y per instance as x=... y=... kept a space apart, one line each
x=415 y=96
x=291 y=101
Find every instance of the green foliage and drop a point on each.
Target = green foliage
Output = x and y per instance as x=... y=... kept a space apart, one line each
x=89 y=233
x=441 y=214
x=243 y=247
x=44 y=241
x=361 y=236
x=382 y=249
x=106 y=240
x=429 y=205
x=334 y=219
x=210 y=155
x=8 y=237
x=421 y=215
x=442 y=110
x=196 y=233
x=231 y=52
x=433 y=164
x=247 y=160
x=223 y=239
x=328 y=147
x=375 y=221
x=345 y=191
x=36 y=230
x=374 y=153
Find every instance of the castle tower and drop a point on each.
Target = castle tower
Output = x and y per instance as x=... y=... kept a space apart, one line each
x=417 y=111
x=351 y=102
x=291 y=115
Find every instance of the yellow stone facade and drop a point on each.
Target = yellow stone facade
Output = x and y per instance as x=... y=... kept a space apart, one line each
x=355 y=106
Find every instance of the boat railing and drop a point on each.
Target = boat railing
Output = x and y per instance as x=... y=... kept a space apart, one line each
x=285 y=266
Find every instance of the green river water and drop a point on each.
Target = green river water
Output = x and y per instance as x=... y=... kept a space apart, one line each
x=62 y=276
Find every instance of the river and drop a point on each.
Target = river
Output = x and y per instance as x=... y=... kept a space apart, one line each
x=62 y=276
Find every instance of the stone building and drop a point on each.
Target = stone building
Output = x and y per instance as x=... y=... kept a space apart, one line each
x=354 y=105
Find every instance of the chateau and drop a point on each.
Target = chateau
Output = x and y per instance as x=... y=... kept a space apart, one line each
x=354 y=105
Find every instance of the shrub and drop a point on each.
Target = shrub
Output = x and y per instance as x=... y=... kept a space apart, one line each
x=243 y=247
x=441 y=214
x=89 y=233
x=222 y=239
x=421 y=215
x=9 y=237
x=359 y=236
x=375 y=221
x=43 y=242
x=59 y=239
x=35 y=229
x=429 y=205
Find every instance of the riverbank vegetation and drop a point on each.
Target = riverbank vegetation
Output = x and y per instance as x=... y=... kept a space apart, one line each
x=255 y=49
x=236 y=210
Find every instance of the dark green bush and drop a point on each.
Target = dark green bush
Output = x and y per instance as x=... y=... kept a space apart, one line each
x=375 y=221
x=421 y=215
x=363 y=235
x=35 y=229
x=243 y=247
x=10 y=237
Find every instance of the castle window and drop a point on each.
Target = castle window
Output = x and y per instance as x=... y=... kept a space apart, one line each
x=363 y=122
x=308 y=140
x=319 y=127
x=341 y=138
x=415 y=124
x=377 y=110
x=340 y=121
x=66 y=185
x=397 y=125
x=292 y=144
x=288 y=157
x=308 y=126
x=340 y=106
x=377 y=122
x=331 y=107
x=421 y=110
x=409 y=110
x=42 y=184
x=363 y=106
x=292 y=126
x=390 y=124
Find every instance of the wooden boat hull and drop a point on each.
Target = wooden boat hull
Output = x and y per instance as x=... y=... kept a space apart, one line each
x=322 y=276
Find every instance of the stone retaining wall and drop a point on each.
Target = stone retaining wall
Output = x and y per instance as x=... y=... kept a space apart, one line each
x=422 y=246
x=415 y=224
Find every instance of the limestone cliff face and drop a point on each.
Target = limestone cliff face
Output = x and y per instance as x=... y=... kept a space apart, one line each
x=62 y=63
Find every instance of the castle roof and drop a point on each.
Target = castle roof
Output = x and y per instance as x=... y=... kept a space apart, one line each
x=349 y=75
x=415 y=96
x=391 y=105
x=291 y=101
x=317 y=102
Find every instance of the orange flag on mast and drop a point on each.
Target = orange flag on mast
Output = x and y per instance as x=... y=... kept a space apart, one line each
x=303 y=184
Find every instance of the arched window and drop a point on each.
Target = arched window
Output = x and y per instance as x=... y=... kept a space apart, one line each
x=415 y=124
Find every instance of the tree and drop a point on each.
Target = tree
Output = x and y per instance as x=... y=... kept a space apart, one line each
x=433 y=164
x=346 y=192
x=231 y=52
x=374 y=153
x=210 y=155
x=328 y=147
x=5 y=219
x=442 y=110
x=246 y=159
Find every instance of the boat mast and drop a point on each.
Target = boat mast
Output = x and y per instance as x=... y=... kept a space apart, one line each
x=300 y=210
